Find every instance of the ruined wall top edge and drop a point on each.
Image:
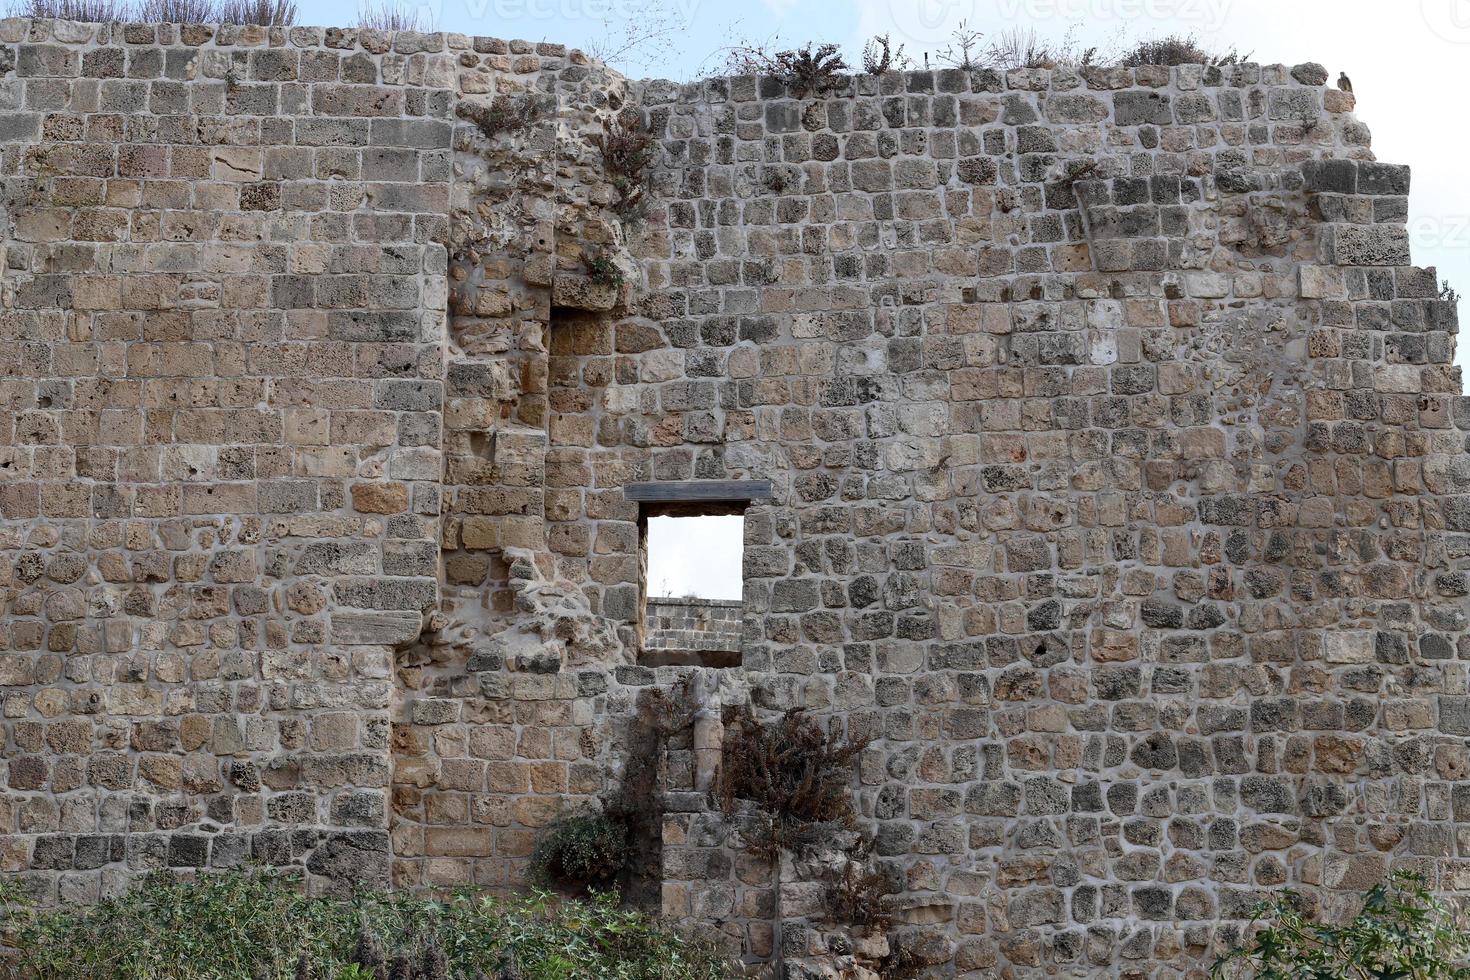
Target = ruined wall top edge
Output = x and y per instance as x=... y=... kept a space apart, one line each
x=735 y=87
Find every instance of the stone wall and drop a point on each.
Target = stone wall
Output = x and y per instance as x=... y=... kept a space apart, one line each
x=1117 y=453
x=692 y=626
x=224 y=315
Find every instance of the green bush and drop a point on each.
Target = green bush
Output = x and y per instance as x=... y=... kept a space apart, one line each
x=586 y=848
x=1402 y=933
x=257 y=925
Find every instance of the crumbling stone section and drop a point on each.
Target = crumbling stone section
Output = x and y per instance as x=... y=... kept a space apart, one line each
x=1117 y=449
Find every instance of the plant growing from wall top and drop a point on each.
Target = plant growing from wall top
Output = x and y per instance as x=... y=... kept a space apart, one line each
x=1402 y=933
x=628 y=151
x=265 y=13
x=807 y=70
x=393 y=15
x=880 y=55
x=1178 y=49
x=965 y=51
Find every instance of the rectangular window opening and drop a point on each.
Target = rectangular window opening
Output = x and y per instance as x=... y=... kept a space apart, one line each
x=693 y=583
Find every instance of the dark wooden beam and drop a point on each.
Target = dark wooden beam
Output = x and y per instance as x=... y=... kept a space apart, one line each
x=694 y=491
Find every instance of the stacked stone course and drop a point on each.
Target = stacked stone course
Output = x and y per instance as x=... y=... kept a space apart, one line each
x=693 y=626
x=1117 y=449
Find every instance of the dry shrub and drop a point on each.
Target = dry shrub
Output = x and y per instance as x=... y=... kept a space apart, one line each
x=807 y=70
x=86 y=11
x=392 y=15
x=797 y=775
x=636 y=804
x=856 y=898
x=628 y=151
x=179 y=12
x=647 y=41
x=1177 y=49
x=263 y=13
x=880 y=56
x=504 y=114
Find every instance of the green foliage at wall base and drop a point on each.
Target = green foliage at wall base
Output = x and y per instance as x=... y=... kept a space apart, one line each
x=1402 y=933
x=258 y=925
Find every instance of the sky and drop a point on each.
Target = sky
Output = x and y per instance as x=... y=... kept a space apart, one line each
x=695 y=556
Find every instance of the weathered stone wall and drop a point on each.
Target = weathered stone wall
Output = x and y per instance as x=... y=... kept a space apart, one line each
x=224 y=325
x=1117 y=449
x=692 y=625
x=1116 y=445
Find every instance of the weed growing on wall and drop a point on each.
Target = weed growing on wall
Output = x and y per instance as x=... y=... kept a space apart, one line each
x=628 y=151
x=585 y=848
x=601 y=269
x=856 y=896
x=392 y=15
x=1178 y=49
x=810 y=70
x=881 y=55
x=504 y=114
x=797 y=775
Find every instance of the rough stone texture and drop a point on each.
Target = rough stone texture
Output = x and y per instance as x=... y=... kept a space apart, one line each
x=692 y=625
x=1118 y=454
x=224 y=280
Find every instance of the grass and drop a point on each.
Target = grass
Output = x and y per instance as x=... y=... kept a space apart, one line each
x=258 y=925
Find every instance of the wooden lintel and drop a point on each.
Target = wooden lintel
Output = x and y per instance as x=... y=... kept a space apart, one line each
x=694 y=491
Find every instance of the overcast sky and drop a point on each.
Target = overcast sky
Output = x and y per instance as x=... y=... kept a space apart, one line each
x=698 y=556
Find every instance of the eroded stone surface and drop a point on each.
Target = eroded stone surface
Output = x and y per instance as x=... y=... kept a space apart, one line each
x=1117 y=450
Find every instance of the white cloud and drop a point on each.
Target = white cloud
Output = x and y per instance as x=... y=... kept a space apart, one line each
x=695 y=556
